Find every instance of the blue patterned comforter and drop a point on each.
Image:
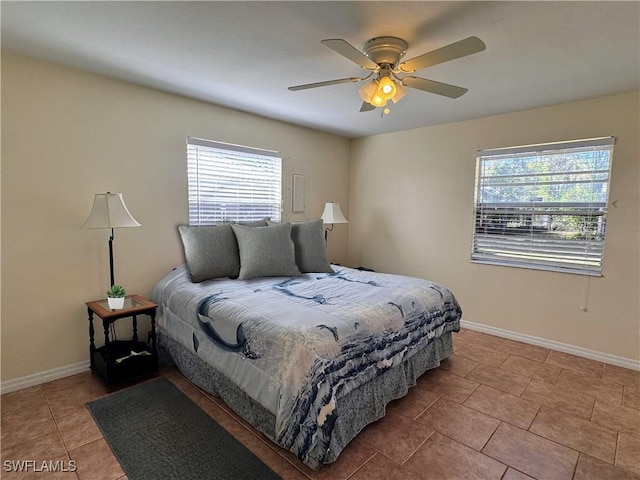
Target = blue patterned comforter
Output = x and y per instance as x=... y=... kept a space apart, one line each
x=297 y=345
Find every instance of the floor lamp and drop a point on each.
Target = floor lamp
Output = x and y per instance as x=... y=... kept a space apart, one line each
x=109 y=211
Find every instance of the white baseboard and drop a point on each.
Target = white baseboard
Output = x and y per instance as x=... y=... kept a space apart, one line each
x=61 y=372
x=43 y=377
x=561 y=347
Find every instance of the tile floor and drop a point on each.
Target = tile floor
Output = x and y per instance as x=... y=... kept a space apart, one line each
x=496 y=409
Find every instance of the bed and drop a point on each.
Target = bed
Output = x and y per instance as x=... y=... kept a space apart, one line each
x=308 y=359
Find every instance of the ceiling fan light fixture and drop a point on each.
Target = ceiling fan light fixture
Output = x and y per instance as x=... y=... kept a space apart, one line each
x=400 y=92
x=386 y=88
x=378 y=101
x=368 y=91
x=381 y=56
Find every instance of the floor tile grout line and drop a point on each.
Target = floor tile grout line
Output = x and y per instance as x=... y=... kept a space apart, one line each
x=577 y=371
x=418 y=448
x=525 y=388
x=293 y=465
x=501 y=419
x=64 y=445
x=593 y=412
x=503 y=362
x=469 y=396
x=540 y=437
x=515 y=469
x=593 y=408
x=575 y=467
x=615 y=455
x=426 y=409
x=491 y=436
x=474 y=367
x=530 y=379
x=487 y=414
x=31 y=439
x=28 y=440
x=458 y=441
x=534 y=418
x=290 y=463
x=471 y=448
x=361 y=466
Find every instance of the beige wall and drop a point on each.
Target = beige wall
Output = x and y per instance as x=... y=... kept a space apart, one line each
x=411 y=212
x=67 y=135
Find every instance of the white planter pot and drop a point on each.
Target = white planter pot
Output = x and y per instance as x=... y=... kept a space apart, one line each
x=116 y=303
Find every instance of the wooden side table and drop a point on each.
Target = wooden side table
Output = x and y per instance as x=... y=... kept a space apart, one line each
x=120 y=361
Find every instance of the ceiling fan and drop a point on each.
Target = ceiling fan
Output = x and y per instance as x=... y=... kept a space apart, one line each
x=381 y=56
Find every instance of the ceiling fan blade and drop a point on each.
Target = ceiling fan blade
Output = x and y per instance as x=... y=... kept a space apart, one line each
x=432 y=86
x=366 y=107
x=324 y=84
x=350 y=52
x=455 y=50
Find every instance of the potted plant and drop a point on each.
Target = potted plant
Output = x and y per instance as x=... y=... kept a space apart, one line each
x=115 y=297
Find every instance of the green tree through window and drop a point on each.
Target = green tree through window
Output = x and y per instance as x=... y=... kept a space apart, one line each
x=543 y=206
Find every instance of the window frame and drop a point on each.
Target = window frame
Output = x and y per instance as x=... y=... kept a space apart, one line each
x=499 y=237
x=203 y=174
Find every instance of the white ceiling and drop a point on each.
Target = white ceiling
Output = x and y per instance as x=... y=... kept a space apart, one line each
x=244 y=55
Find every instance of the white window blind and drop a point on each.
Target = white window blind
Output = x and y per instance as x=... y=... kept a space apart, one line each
x=232 y=183
x=543 y=206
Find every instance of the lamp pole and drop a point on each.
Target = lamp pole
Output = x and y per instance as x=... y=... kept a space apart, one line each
x=111 y=257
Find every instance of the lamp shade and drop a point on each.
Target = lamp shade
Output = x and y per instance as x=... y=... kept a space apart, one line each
x=368 y=91
x=378 y=101
x=400 y=92
x=109 y=211
x=386 y=88
x=333 y=214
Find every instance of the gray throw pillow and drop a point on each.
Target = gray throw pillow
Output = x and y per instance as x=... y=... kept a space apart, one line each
x=211 y=252
x=266 y=251
x=310 y=247
x=255 y=223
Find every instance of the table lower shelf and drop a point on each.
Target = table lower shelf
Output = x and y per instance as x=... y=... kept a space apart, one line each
x=117 y=364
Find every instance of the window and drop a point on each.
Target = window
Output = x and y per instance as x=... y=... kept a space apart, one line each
x=543 y=206
x=232 y=183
